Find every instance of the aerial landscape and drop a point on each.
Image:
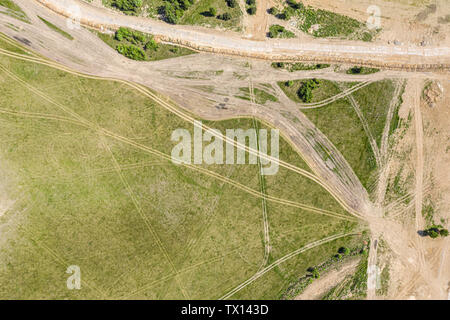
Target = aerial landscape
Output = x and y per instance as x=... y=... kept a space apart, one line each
x=224 y=149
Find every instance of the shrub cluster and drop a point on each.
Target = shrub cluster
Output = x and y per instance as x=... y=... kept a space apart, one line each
x=305 y=92
x=296 y=66
x=232 y=3
x=287 y=12
x=127 y=6
x=277 y=31
x=173 y=10
x=134 y=44
x=436 y=231
x=131 y=51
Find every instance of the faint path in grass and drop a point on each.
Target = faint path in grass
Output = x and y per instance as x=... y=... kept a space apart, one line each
x=260 y=273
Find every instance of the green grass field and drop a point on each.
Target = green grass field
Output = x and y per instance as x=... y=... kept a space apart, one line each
x=137 y=225
x=374 y=100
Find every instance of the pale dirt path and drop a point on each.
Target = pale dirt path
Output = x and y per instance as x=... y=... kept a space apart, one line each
x=257 y=24
x=328 y=281
x=420 y=223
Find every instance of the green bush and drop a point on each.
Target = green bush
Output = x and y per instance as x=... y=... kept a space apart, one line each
x=286 y=14
x=151 y=45
x=225 y=16
x=305 y=93
x=135 y=37
x=294 y=5
x=273 y=10
x=212 y=11
x=232 y=3
x=344 y=250
x=436 y=231
x=251 y=10
x=132 y=52
x=277 y=31
x=127 y=6
x=173 y=10
x=315 y=273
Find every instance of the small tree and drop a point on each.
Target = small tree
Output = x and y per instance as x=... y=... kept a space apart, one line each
x=232 y=3
x=212 y=11
x=151 y=45
x=344 y=250
x=443 y=232
x=315 y=273
x=226 y=16
x=251 y=2
x=251 y=10
x=273 y=11
x=289 y=83
x=433 y=233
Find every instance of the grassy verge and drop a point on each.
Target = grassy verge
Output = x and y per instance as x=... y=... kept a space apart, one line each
x=361 y=70
x=141 y=46
x=55 y=28
x=352 y=287
x=277 y=31
x=298 y=66
x=314 y=272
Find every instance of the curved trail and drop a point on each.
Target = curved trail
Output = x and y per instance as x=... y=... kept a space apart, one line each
x=283 y=259
x=338 y=96
x=366 y=127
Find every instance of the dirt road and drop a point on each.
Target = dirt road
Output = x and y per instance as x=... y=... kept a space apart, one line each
x=406 y=56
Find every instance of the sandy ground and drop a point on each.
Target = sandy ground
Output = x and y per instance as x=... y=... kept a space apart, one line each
x=420 y=265
x=328 y=281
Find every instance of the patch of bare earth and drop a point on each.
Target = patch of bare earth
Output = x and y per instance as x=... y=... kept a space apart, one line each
x=419 y=265
x=328 y=281
x=401 y=21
